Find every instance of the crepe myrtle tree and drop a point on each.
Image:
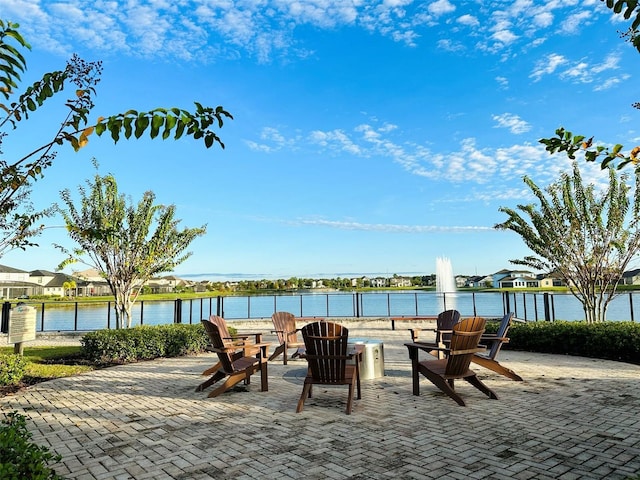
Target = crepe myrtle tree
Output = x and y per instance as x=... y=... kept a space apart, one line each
x=19 y=222
x=128 y=244
x=586 y=237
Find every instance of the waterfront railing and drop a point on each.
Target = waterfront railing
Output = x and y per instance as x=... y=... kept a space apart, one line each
x=87 y=316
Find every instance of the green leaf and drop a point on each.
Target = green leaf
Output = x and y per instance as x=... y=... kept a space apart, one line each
x=142 y=122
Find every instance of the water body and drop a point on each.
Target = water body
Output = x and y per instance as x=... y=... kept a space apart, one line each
x=84 y=317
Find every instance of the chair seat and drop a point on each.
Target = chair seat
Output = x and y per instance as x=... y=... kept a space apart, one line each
x=439 y=367
x=350 y=374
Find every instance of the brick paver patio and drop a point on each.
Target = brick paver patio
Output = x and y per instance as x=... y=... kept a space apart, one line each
x=571 y=418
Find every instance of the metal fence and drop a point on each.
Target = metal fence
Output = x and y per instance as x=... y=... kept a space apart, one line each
x=86 y=316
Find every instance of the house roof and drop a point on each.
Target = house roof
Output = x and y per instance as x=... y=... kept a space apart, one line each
x=6 y=269
x=60 y=278
x=41 y=273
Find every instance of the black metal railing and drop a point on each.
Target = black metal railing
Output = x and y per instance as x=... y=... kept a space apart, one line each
x=85 y=316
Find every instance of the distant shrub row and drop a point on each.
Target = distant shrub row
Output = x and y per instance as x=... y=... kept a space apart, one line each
x=609 y=340
x=143 y=343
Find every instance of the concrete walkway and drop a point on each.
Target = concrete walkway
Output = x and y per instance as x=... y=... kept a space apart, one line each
x=571 y=418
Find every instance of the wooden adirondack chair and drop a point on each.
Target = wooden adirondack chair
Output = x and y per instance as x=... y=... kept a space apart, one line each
x=245 y=345
x=494 y=343
x=443 y=372
x=328 y=360
x=284 y=324
x=444 y=327
x=235 y=368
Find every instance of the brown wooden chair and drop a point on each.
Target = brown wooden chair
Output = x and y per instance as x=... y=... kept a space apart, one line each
x=494 y=343
x=444 y=327
x=284 y=324
x=328 y=360
x=443 y=372
x=244 y=343
x=235 y=368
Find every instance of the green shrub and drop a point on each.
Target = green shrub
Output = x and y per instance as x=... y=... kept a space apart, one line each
x=608 y=340
x=19 y=457
x=143 y=343
x=12 y=369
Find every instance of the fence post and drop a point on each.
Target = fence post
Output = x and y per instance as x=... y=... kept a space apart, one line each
x=6 y=309
x=631 y=305
x=547 y=312
x=507 y=305
x=177 y=311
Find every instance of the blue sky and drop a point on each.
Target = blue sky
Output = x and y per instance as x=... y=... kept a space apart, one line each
x=369 y=137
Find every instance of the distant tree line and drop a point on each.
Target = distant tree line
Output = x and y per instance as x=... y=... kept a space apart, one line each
x=299 y=283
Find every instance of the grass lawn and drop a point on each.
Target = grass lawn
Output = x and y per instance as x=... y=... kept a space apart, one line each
x=45 y=363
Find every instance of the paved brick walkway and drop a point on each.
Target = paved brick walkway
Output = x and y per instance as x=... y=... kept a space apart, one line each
x=571 y=418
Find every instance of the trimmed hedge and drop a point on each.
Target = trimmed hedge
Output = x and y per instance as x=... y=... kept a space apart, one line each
x=143 y=343
x=608 y=340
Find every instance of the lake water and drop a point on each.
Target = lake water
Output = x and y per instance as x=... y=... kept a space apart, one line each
x=529 y=306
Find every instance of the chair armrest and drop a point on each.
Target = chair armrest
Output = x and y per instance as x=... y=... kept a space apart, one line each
x=427 y=347
x=493 y=339
x=415 y=333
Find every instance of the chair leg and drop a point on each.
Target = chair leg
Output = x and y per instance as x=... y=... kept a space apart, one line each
x=233 y=380
x=496 y=367
x=207 y=383
x=476 y=382
x=264 y=379
x=279 y=349
x=350 y=399
x=306 y=391
x=212 y=370
x=445 y=386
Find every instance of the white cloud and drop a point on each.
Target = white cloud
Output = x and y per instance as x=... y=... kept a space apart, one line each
x=504 y=36
x=503 y=82
x=450 y=46
x=468 y=20
x=383 y=227
x=441 y=7
x=573 y=22
x=547 y=66
x=266 y=29
x=513 y=122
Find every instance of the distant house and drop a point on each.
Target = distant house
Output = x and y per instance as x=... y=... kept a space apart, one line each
x=55 y=286
x=631 y=277
x=479 y=281
x=378 y=282
x=400 y=282
x=550 y=280
x=15 y=282
x=94 y=284
x=518 y=281
x=510 y=276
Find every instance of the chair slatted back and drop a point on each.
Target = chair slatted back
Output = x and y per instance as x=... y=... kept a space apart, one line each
x=285 y=325
x=217 y=342
x=445 y=321
x=326 y=351
x=222 y=327
x=464 y=343
x=505 y=323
